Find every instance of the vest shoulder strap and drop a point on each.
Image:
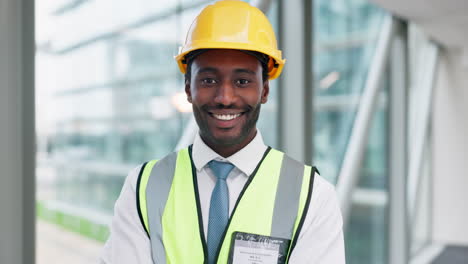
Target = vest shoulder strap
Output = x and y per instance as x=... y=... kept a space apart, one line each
x=304 y=207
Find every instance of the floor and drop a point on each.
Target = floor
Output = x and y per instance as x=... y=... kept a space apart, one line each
x=57 y=245
x=453 y=255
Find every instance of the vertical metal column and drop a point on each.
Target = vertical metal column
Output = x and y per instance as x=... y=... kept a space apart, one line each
x=292 y=82
x=17 y=133
x=309 y=87
x=398 y=156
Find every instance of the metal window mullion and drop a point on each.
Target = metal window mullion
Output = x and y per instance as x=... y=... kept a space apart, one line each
x=28 y=133
x=397 y=159
x=419 y=137
x=292 y=82
x=263 y=5
x=309 y=77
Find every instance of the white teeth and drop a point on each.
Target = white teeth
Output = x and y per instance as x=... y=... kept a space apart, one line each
x=226 y=117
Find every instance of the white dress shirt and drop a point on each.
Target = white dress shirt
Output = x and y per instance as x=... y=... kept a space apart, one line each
x=320 y=240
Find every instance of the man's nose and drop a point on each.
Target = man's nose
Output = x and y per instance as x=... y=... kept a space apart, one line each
x=225 y=94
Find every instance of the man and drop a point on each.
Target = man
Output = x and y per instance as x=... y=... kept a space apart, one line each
x=228 y=198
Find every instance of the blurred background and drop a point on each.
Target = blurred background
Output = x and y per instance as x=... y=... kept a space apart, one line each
x=375 y=92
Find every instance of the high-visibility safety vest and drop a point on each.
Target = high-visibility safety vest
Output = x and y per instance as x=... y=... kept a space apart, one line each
x=273 y=202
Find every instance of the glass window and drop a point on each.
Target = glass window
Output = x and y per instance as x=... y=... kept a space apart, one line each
x=345 y=36
x=366 y=237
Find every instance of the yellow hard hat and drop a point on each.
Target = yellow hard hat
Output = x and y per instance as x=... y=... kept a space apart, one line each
x=233 y=24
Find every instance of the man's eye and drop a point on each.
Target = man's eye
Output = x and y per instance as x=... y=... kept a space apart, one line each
x=242 y=81
x=209 y=81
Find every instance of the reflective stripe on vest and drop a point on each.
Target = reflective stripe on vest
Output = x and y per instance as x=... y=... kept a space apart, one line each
x=167 y=197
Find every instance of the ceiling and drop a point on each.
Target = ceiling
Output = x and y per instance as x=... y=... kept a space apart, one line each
x=445 y=21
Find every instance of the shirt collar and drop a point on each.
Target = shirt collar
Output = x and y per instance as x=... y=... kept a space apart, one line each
x=245 y=159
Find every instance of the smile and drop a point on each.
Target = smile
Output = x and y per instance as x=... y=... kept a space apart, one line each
x=226 y=117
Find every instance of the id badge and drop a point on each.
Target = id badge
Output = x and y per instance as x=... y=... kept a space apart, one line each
x=257 y=249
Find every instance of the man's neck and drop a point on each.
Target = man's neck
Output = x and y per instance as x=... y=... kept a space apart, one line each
x=228 y=150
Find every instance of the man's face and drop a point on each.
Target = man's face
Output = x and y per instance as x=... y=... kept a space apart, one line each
x=226 y=90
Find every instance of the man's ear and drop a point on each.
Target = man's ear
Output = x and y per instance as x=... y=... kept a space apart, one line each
x=188 y=92
x=265 y=91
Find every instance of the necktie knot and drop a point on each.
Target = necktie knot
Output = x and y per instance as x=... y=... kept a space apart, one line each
x=220 y=169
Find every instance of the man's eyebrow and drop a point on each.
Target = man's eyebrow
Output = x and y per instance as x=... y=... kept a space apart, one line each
x=245 y=71
x=214 y=70
x=207 y=69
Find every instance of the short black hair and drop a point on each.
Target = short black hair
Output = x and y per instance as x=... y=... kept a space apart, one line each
x=262 y=58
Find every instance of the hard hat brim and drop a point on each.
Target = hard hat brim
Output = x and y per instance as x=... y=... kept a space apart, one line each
x=273 y=71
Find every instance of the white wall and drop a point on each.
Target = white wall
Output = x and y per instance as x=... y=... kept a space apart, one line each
x=450 y=149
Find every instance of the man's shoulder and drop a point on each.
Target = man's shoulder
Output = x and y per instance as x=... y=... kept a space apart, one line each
x=170 y=155
x=319 y=181
x=323 y=185
x=135 y=174
x=296 y=161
